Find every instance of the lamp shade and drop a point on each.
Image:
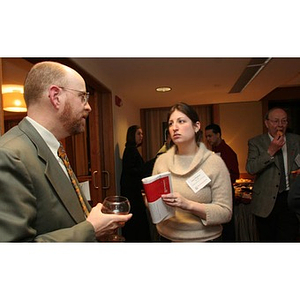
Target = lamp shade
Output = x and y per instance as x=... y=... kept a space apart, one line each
x=14 y=102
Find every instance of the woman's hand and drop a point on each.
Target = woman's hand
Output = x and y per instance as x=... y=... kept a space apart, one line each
x=175 y=200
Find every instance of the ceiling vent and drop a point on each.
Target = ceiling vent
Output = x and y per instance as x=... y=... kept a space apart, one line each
x=251 y=71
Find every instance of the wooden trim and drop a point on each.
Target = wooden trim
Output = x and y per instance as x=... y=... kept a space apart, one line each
x=108 y=141
x=96 y=150
x=1 y=104
x=216 y=113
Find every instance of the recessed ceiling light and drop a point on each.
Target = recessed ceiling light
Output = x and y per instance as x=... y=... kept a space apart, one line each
x=163 y=89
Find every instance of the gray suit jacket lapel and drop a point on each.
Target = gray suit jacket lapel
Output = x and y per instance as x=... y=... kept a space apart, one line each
x=54 y=173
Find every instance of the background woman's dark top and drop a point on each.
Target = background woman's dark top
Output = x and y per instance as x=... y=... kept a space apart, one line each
x=137 y=228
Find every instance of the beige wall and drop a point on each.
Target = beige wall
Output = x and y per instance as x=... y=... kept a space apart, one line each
x=239 y=122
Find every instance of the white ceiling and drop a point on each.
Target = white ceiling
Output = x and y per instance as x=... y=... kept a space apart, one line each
x=193 y=80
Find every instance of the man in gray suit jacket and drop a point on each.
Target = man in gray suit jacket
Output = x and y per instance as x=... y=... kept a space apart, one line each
x=273 y=178
x=37 y=199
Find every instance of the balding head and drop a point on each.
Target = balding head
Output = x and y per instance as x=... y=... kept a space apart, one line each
x=54 y=98
x=41 y=77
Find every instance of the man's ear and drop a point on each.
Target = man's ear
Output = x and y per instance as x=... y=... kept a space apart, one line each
x=54 y=96
x=266 y=124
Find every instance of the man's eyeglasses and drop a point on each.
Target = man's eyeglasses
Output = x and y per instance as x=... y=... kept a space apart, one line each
x=84 y=95
x=277 y=122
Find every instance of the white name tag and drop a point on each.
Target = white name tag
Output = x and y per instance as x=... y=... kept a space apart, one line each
x=198 y=181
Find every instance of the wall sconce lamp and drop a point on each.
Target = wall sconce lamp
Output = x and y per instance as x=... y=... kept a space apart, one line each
x=13 y=99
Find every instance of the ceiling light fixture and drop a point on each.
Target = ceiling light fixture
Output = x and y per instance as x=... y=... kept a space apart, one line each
x=13 y=99
x=163 y=89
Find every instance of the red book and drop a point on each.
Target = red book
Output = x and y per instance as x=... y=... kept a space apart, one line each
x=154 y=187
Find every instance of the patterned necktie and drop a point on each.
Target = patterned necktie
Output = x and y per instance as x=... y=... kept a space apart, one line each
x=63 y=155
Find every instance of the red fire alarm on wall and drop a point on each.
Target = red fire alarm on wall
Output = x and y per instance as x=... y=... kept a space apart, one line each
x=118 y=101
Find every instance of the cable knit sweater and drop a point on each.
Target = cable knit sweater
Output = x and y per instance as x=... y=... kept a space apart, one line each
x=216 y=195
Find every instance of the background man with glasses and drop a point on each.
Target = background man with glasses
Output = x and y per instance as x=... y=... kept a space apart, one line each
x=40 y=199
x=273 y=158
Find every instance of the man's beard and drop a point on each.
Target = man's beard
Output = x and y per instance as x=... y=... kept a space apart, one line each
x=71 y=126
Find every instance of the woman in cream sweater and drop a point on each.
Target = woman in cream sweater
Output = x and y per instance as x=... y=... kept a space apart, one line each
x=202 y=195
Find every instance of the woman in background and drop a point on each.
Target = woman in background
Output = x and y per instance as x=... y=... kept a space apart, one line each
x=137 y=230
x=202 y=195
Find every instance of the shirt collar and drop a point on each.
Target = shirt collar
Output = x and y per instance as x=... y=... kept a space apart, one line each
x=47 y=136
